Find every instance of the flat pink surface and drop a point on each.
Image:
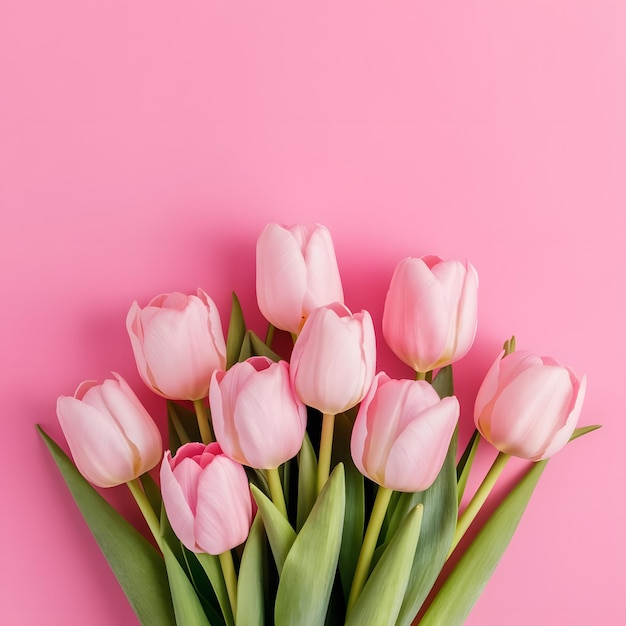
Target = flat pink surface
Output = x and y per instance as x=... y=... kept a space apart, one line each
x=144 y=145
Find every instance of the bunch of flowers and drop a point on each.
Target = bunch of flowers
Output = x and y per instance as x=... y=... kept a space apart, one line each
x=310 y=490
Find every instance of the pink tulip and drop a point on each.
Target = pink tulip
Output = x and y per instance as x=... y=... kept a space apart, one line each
x=334 y=359
x=206 y=497
x=111 y=436
x=178 y=343
x=402 y=433
x=258 y=420
x=528 y=406
x=296 y=272
x=430 y=312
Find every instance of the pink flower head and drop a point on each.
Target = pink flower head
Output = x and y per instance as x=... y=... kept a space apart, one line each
x=296 y=272
x=206 y=497
x=258 y=420
x=528 y=406
x=111 y=436
x=178 y=343
x=334 y=359
x=430 y=311
x=402 y=433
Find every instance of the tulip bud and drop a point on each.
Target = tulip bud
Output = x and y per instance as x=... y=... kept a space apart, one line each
x=402 y=433
x=111 y=436
x=334 y=359
x=178 y=343
x=430 y=311
x=206 y=497
x=257 y=418
x=528 y=406
x=296 y=272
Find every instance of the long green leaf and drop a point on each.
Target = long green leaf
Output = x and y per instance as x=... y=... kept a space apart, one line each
x=465 y=463
x=354 y=518
x=307 y=481
x=309 y=570
x=182 y=425
x=250 y=585
x=465 y=583
x=138 y=567
x=213 y=569
x=279 y=532
x=381 y=598
x=260 y=348
x=187 y=606
x=444 y=382
x=236 y=332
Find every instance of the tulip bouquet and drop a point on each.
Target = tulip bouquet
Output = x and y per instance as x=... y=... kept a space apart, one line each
x=308 y=488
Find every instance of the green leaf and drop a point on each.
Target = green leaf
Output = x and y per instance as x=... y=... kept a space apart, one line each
x=246 y=349
x=583 y=430
x=187 y=606
x=309 y=571
x=354 y=518
x=138 y=567
x=260 y=348
x=279 y=532
x=236 y=333
x=444 y=383
x=250 y=585
x=465 y=583
x=307 y=481
x=182 y=425
x=438 y=524
x=211 y=565
x=381 y=598
x=464 y=465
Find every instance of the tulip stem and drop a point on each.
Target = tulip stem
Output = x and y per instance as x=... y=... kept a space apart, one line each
x=326 y=448
x=479 y=499
x=276 y=490
x=420 y=375
x=269 y=336
x=203 y=422
x=230 y=578
x=146 y=509
x=383 y=495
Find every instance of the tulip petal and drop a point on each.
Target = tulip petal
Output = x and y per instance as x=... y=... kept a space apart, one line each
x=224 y=512
x=178 y=511
x=279 y=261
x=419 y=451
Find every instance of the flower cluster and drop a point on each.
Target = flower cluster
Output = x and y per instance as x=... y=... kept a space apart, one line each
x=259 y=415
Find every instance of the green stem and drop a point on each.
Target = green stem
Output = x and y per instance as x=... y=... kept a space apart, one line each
x=146 y=509
x=230 y=578
x=269 y=336
x=420 y=375
x=326 y=448
x=479 y=499
x=383 y=495
x=203 y=421
x=276 y=490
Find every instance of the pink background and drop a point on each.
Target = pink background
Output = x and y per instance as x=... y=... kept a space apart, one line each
x=144 y=145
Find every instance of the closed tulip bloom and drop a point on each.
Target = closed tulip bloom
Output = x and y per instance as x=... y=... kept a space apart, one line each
x=206 y=497
x=178 y=343
x=257 y=418
x=402 y=433
x=334 y=359
x=430 y=311
x=296 y=271
x=528 y=406
x=111 y=436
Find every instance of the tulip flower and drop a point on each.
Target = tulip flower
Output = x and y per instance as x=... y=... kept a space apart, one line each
x=206 y=497
x=178 y=343
x=258 y=420
x=402 y=432
x=296 y=272
x=430 y=311
x=111 y=436
x=528 y=406
x=334 y=359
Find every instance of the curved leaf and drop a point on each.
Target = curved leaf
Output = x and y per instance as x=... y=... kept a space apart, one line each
x=250 y=584
x=236 y=332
